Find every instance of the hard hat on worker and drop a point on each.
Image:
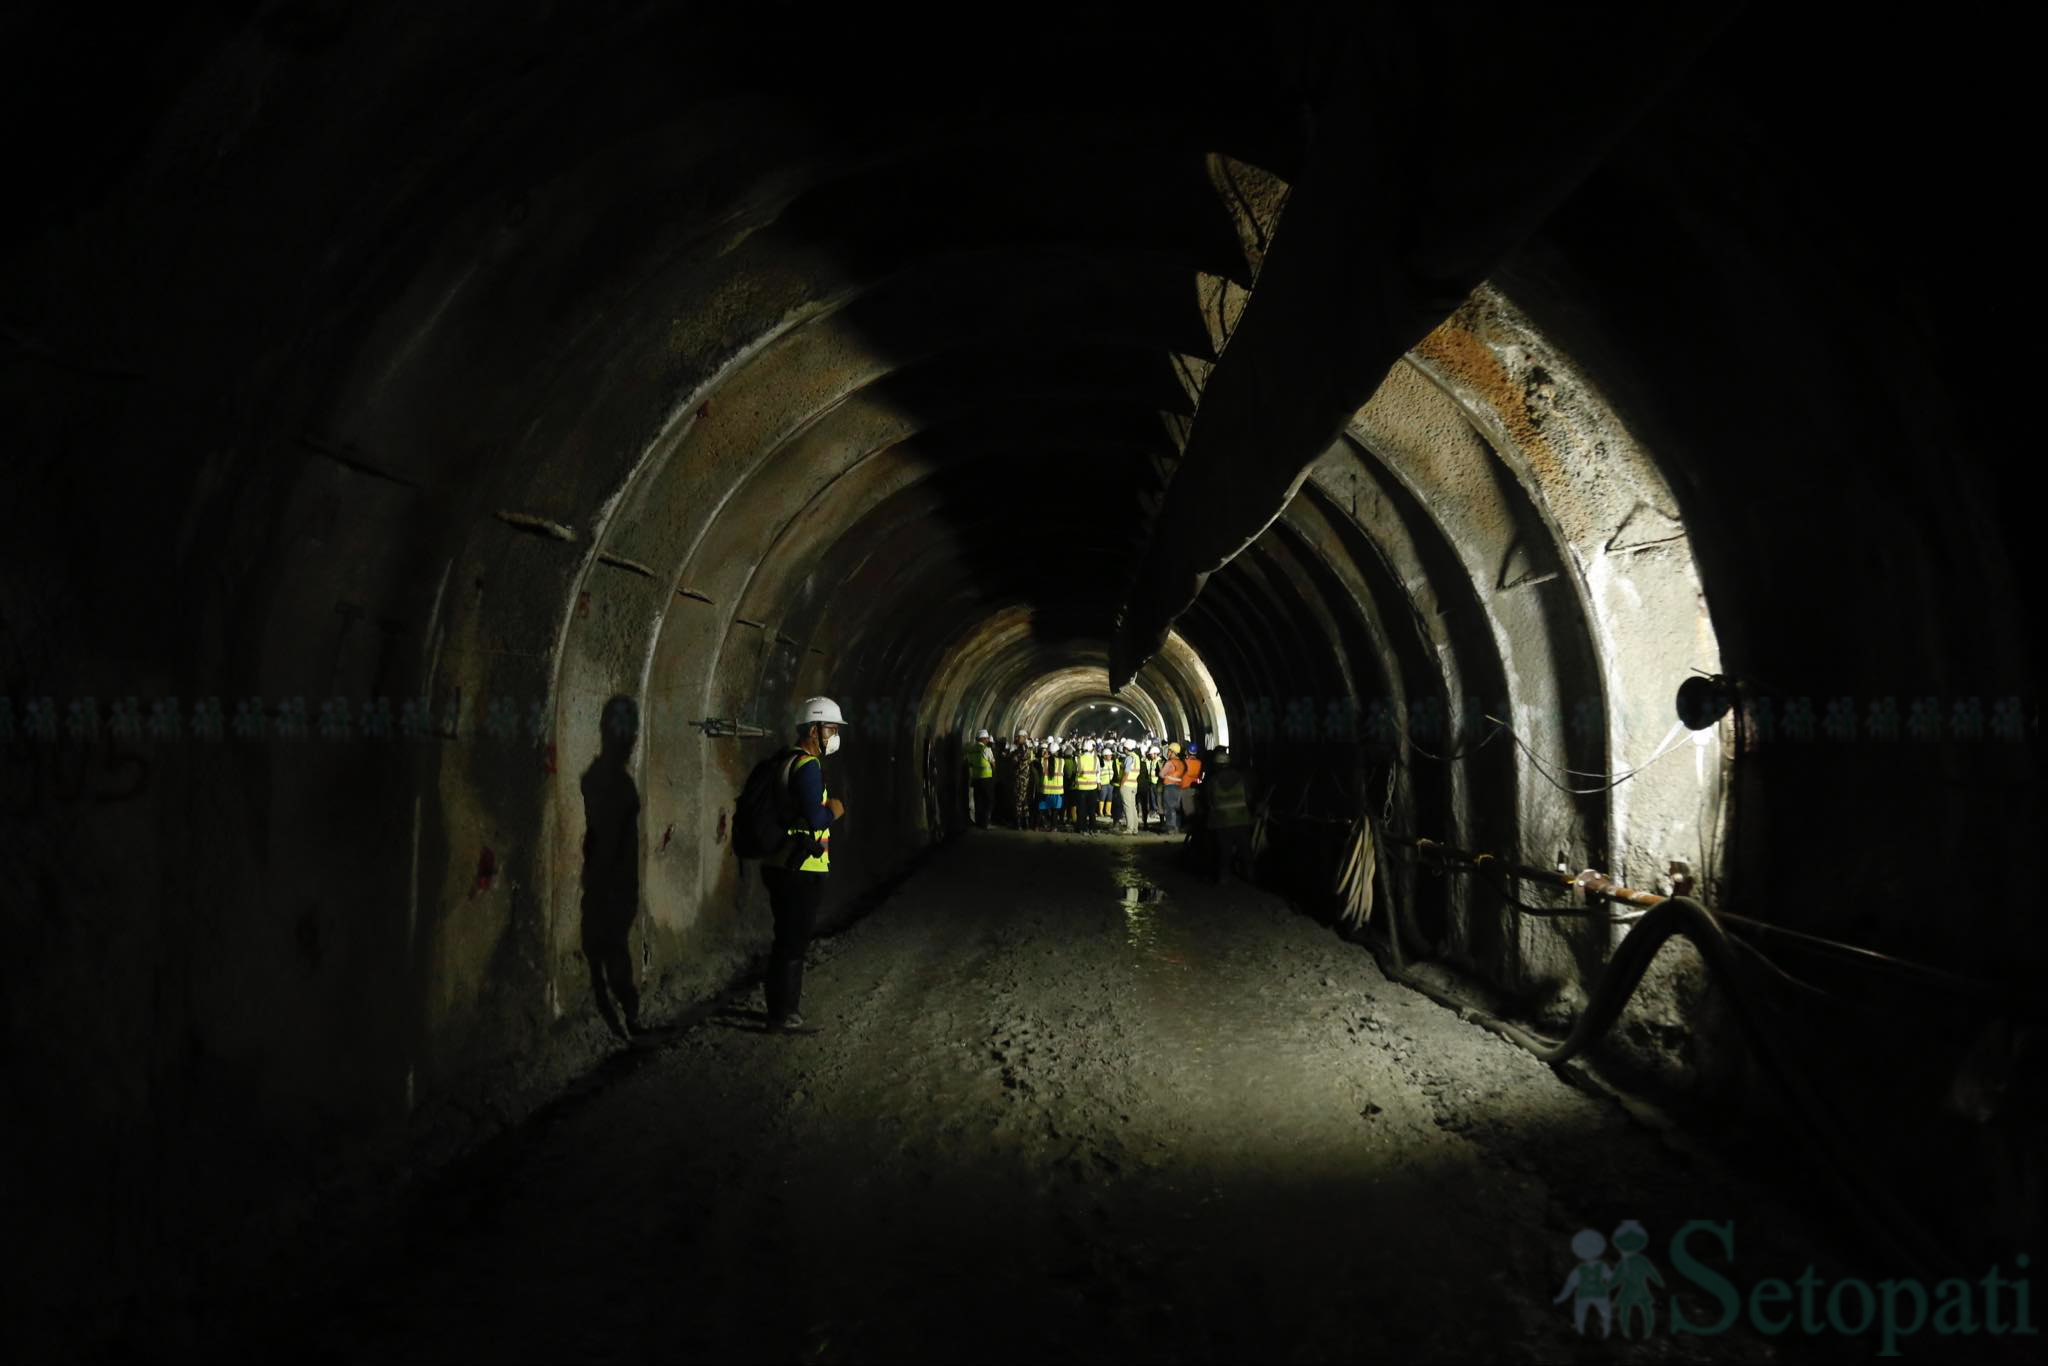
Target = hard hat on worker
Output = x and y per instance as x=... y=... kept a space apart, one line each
x=818 y=711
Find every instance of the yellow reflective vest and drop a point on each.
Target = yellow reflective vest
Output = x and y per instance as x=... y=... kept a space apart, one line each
x=1084 y=773
x=981 y=763
x=820 y=862
x=1053 y=784
x=1227 y=804
x=1127 y=770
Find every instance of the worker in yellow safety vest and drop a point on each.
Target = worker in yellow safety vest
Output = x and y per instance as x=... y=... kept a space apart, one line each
x=1052 y=786
x=981 y=778
x=1128 y=766
x=795 y=892
x=1087 y=780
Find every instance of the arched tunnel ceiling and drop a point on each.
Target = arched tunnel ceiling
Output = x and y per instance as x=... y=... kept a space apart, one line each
x=497 y=367
x=839 y=374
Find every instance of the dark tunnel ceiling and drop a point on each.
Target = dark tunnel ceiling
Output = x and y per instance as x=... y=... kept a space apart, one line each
x=1011 y=274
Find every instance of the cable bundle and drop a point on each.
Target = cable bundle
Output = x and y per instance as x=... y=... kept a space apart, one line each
x=1355 y=878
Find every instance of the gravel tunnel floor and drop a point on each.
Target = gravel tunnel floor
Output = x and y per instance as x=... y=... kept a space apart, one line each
x=1062 y=1101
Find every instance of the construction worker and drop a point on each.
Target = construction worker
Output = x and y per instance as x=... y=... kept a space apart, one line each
x=1112 y=775
x=981 y=778
x=1052 y=786
x=1129 y=764
x=1170 y=775
x=1087 y=783
x=1148 y=785
x=1190 y=791
x=796 y=886
x=1227 y=814
x=1077 y=800
x=1023 y=784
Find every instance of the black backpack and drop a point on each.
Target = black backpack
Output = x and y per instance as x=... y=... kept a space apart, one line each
x=762 y=817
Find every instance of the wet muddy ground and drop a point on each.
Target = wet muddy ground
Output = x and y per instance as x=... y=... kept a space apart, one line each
x=1062 y=1101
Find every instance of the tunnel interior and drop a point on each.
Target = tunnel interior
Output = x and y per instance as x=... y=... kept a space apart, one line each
x=392 y=388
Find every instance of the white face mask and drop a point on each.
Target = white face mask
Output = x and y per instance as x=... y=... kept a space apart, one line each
x=832 y=743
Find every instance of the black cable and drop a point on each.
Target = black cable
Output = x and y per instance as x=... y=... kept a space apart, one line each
x=1683 y=916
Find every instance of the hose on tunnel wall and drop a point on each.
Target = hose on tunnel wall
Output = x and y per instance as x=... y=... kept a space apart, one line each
x=1899 y=1231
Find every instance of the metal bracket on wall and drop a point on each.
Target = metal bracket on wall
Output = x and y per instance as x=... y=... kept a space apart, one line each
x=713 y=725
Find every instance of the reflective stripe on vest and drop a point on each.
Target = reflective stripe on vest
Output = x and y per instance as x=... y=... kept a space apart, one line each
x=1084 y=773
x=1053 y=784
x=1127 y=773
x=981 y=764
x=820 y=862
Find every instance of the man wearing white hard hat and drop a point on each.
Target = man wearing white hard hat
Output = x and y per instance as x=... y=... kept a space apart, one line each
x=1129 y=764
x=796 y=886
x=1148 y=785
x=981 y=778
x=1087 y=780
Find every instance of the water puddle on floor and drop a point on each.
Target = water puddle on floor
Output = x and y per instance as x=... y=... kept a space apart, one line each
x=1144 y=915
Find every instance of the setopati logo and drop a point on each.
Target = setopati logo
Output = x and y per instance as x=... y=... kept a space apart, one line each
x=1621 y=1294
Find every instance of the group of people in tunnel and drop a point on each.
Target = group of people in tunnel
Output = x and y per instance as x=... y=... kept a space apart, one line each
x=1082 y=784
x=1085 y=784
x=1052 y=784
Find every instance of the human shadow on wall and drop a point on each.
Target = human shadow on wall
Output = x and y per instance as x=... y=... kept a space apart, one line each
x=611 y=868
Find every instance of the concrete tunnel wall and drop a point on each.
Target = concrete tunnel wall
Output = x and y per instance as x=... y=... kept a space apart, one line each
x=539 y=381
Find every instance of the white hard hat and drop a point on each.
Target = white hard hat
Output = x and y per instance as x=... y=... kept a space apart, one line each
x=981 y=734
x=1087 y=744
x=818 y=709
x=1130 y=744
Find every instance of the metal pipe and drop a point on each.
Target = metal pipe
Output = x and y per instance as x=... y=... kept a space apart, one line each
x=718 y=725
x=1599 y=884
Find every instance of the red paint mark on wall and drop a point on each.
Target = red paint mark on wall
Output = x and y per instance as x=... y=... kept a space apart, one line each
x=666 y=835
x=704 y=408
x=547 y=757
x=486 y=871
x=583 y=604
x=721 y=827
